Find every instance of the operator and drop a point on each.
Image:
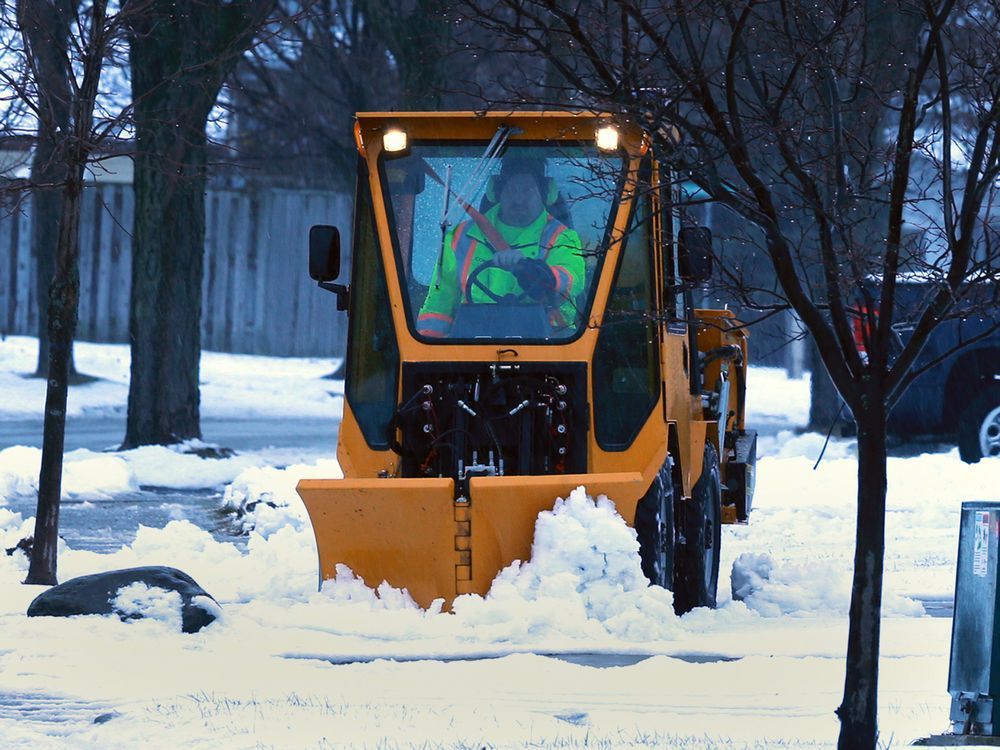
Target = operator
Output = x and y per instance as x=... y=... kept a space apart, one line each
x=539 y=257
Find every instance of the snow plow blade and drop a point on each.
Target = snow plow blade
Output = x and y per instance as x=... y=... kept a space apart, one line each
x=504 y=510
x=396 y=530
x=413 y=534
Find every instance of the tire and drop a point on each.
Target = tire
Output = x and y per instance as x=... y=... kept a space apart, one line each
x=696 y=573
x=654 y=525
x=979 y=426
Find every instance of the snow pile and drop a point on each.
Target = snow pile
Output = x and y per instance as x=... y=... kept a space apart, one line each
x=750 y=572
x=86 y=475
x=802 y=519
x=347 y=588
x=12 y=530
x=139 y=601
x=19 y=471
x=583 y=580
x=804 y=590
x=264 y=498
x=180 y=467
x=278 y=568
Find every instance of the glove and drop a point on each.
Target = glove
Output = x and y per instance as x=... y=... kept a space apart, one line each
x=535 y=278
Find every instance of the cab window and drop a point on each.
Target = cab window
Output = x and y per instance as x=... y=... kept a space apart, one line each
x=453 y=208
x=373 y=354
x=626 y=363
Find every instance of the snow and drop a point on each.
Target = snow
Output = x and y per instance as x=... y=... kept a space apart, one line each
x=139 y=601
x=777 y=398
x=233 y=386
x=751 y=573
x=88 y=475
x=264 y=497
x=583 y=581
x=288 y=665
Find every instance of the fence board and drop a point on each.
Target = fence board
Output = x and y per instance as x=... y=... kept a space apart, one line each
x=257 y=296
x=121 y=263
x=7 y=271
x=257 y=265
x=241 y=281
x=32 y=277
x=103 y=287
x=102 y=261
x=208 y=275
x=25 y=271
x=90 y=263
x=227 y=244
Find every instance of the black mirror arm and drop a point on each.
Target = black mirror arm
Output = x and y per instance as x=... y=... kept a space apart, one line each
x=343 y=292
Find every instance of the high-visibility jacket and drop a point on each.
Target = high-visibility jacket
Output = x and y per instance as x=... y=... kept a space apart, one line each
x=465 y=249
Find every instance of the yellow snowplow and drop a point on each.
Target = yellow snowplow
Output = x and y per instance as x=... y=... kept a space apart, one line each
x=520 y=324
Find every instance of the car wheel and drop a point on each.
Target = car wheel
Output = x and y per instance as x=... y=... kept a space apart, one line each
x=979 y=426
x=696 y=578
x=654 y=525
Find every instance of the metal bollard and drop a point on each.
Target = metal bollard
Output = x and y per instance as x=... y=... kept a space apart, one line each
x=974 y=671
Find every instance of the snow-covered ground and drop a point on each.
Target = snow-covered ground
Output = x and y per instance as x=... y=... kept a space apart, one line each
x=287 y=666
x=233 y=386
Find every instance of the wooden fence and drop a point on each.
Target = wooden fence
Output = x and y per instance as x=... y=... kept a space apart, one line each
x=257 y=297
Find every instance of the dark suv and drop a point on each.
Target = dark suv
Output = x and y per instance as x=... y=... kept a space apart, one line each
x=957 y=399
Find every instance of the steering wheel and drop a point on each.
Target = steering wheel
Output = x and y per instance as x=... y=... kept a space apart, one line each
x=474 y=281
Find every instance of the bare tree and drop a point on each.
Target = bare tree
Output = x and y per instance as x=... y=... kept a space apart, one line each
x=836 y=129
x=417 y=34
x=181 y=53
x=56 y=74
x=48 y=26
x=332 y=58
x=294 y=96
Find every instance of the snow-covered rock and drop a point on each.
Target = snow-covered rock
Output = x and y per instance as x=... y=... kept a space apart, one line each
x=152 y=592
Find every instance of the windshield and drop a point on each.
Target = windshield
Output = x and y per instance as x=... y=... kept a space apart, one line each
x=500 y=243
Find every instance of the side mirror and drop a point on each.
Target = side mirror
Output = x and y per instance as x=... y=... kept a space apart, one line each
x=324 y=262
x=694 y=245
x=324 y=252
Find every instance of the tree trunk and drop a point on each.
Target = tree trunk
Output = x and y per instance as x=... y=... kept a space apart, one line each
x=824 y=401
x=181 y=52
x=858 y=711
x=167 y=265
x=46 y=209
x=64 y=298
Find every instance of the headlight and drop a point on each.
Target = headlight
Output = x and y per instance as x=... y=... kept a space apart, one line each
x=394 y=140
x=607 y=138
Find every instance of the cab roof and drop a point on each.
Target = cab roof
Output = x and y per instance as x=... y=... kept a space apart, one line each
x=476 y=125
